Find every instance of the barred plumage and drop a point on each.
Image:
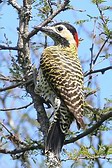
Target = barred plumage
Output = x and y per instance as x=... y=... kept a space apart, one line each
x=61 y=82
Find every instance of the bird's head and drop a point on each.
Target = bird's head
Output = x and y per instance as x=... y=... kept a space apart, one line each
x=62 y=33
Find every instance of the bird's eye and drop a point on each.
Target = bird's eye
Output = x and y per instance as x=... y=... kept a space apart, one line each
x=59 y=28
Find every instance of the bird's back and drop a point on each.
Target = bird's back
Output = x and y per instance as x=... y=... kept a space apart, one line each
x=62 y=70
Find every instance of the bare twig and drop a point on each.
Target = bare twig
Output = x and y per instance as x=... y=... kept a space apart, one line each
x=94 y=61
x=91 y=129
x=16 y=85
x=90 y=93
x=2 y=47
x=50 y=6
x=17 y=108
x=11 y=87
x=13 y=138
x=92 y=47
x=8 y=78
x=92 y=54
x=101 y=13
x=6 y=128
x=22 y=150
x=102 y=70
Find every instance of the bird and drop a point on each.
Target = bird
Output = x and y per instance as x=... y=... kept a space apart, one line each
x=60 y=82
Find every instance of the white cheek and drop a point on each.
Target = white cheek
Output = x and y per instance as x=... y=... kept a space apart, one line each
x=66 y=34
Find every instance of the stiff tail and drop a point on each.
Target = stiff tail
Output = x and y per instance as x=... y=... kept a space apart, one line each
x=55 y=139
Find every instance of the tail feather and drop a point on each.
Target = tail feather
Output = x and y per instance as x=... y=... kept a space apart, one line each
x=55 y=139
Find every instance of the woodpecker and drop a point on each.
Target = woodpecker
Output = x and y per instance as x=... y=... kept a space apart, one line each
x=61 y=83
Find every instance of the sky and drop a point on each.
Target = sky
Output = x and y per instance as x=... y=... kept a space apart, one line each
x=10 y=22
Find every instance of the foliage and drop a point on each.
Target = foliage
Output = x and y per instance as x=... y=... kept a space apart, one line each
x=24 y=116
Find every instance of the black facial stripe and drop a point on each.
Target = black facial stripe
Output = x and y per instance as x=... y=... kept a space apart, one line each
x=61 y=39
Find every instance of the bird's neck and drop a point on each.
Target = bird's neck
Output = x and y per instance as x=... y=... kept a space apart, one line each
x=70 y=49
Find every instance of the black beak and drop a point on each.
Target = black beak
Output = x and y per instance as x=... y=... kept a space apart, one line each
x=54 y=35
x=51 y=33
x=48 y=30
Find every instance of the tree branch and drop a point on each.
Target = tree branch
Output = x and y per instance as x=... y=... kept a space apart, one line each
x=91 y=129
x=10 y=87
x=8 y=78
x=37 y=28
x=92 y=157
x=41 y=113
x=16 y=85
x=2 y=47
x=22 y=150
x=13 y=138
x=15 y=5
x=17 y=108
x=98 y=70
x=94 y=61
x=22 y=145
x=24 y=61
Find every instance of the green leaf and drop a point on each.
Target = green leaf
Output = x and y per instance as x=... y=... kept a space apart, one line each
x=98 y=1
